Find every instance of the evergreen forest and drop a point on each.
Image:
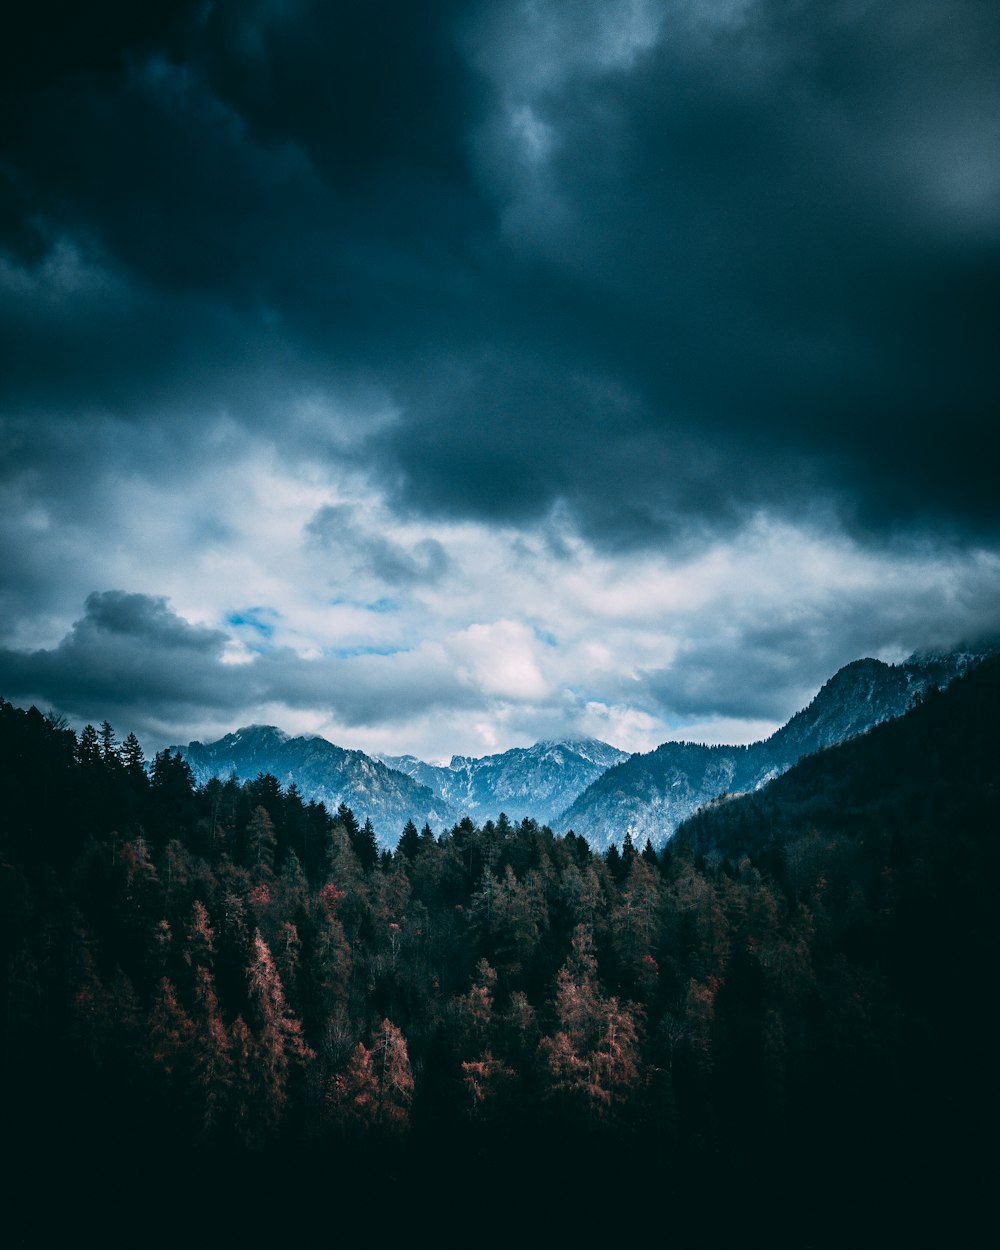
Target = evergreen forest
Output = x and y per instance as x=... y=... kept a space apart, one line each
x=228 y=1014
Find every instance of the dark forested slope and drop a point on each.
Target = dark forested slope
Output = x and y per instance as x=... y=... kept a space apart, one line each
x=225 y=1011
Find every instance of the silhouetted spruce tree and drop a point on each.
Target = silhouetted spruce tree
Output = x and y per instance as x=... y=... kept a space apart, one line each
x=349 y=821
x=109 y=746
x=88 y=751
x=261 y=845
x=409 y=841
x=366 y=847
x=170 y=809
x=133 y=761
x=316 y=829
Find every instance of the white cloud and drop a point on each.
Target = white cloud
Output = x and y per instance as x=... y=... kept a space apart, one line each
x=444 y=638
x=500 y=659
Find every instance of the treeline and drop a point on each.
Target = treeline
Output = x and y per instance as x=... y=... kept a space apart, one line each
x=794 y=992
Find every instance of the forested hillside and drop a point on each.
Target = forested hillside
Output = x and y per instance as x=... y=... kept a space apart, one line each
x=780 y=1021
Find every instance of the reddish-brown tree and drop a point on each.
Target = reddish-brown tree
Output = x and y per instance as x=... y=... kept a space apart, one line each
x=376 y=1089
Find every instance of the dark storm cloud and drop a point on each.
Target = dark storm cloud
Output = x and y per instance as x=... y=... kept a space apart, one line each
x=505 y=437
x=244 y=206
x=783 y=238
x=131 y=657
x=129 y=649
x=750 y=262
x=359 y=86
x=144 y=618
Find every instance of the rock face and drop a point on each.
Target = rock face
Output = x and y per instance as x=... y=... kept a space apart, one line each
x=647 y=796
x=325 y=773
x=538 y=781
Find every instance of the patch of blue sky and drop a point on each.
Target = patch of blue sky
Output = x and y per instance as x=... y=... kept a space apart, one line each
x=349 y=653
x=543 y=635
x=584 y=694
x=255 y=619
x=379 y=605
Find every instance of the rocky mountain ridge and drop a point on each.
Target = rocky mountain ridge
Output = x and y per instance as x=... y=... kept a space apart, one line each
x=649 y=795
x=323 y=773
x=538 y=781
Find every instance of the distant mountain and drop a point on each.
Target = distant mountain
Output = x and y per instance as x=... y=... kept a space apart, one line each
x=538 y=781
x=649 y=795
x=325 y=773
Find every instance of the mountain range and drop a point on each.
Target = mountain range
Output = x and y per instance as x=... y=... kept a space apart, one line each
x=581 y=784
x=538 y=782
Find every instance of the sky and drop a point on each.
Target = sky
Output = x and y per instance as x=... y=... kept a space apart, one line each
x=440 y=376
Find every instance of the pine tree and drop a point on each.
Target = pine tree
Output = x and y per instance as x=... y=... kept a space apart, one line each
x=170 y=806
x=473 y=1012
x=261 y=843
x=109 y=746
x=132 y=758
x=211 y=1054
x=366 y=846
x=170 y=1029
x=347 y=818
x=278 y=1040
x=409 y=842
x=333 y=955
x=376 y=1089
x=199 y=946
x=88 y=751
x=590 y=1064
x=635 y=924
x=628 y=855
x=395 y=1075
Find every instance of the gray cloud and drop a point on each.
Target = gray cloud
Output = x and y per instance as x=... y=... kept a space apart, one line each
x=334 y=529
x=762 y=659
